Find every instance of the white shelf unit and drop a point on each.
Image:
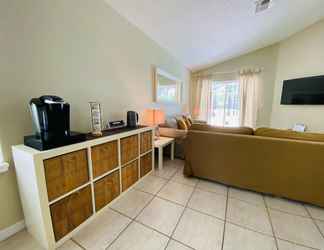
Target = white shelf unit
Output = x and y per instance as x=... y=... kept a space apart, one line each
x=32 y=184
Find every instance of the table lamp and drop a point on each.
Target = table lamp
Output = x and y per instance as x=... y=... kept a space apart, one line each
x=154 y=117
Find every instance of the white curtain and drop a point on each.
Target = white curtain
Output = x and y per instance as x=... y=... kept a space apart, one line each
x=202 y=98
x=250 y=96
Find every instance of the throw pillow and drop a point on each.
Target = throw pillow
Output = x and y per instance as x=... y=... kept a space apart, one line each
x=171 y=122
x=186 y=120
x=190 y=120
x=182 y=124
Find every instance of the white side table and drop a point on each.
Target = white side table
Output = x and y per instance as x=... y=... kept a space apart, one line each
x=160 y=144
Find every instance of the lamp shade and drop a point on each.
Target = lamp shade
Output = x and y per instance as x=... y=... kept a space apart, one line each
x=153 y=117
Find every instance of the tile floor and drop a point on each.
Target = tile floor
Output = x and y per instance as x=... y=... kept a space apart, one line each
x=168 y=211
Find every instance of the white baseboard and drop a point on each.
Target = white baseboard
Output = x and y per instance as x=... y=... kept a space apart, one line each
x=13 y=229
x=4 y=166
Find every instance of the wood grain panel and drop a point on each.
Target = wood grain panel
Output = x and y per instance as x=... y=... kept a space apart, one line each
x=65 y=173
x=104 y=158
x=129 y=174
x=106 y=189
x=146 y=141
x=71 y=211
x=146 y=164
x=129 y=148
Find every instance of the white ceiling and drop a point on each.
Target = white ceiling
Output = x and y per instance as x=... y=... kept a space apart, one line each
x=204 y=32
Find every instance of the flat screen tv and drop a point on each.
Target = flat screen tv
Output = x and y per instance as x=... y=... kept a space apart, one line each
x=303 y=91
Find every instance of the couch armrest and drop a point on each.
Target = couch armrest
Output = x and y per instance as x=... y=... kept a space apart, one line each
x=173 y=133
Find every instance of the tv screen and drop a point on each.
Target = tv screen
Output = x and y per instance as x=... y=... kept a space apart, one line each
x=303 y=91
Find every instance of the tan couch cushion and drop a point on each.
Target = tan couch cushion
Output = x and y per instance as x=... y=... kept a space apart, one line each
x=238 y=130
x=289 y=134
x=173 y=133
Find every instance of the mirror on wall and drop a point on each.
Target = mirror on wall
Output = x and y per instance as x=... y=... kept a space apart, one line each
x=167 y=88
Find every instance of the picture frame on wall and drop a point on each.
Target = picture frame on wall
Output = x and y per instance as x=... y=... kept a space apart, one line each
x=167 y=88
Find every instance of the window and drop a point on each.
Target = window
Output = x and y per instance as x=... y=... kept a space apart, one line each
x=225 y=104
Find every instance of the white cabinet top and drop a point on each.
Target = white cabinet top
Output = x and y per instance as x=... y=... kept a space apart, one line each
x=78 y=146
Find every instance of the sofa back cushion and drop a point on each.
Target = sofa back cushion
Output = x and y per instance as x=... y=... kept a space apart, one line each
x=177 y=122
x=289 y=134
x=170 y=122
x=230 y=130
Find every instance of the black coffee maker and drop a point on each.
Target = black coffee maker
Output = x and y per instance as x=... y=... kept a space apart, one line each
x=51 y=123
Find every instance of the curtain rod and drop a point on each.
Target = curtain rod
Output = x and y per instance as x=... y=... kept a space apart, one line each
x=217 y=73
x=229 y=72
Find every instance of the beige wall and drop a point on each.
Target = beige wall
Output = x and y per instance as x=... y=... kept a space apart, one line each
x=264 y=58
x=81 y=50
x=301 y=55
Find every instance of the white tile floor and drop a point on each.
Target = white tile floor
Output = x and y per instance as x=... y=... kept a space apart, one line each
x=168 y=211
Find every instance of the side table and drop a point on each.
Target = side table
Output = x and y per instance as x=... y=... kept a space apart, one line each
x=160 y=144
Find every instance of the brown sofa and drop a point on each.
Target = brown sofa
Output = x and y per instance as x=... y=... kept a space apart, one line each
x=170 y=129
x=290 y=168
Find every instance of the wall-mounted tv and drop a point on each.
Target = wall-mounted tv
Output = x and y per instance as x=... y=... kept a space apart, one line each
x=303 y=91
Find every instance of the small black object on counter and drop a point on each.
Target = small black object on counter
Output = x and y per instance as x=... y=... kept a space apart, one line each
x=51 y=124
x=132 y=119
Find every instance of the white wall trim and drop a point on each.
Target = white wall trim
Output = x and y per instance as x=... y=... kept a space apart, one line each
x=11 y=230
x=4 y=166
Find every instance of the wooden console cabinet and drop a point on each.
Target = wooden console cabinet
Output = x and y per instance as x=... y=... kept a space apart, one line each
x=71 y=211
x=65 y=173
x=107 y=189
x=129 y=148
x=130 y=174
x=146 y=164
x=104 y=158
x=146 y=142
x=62 y=189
